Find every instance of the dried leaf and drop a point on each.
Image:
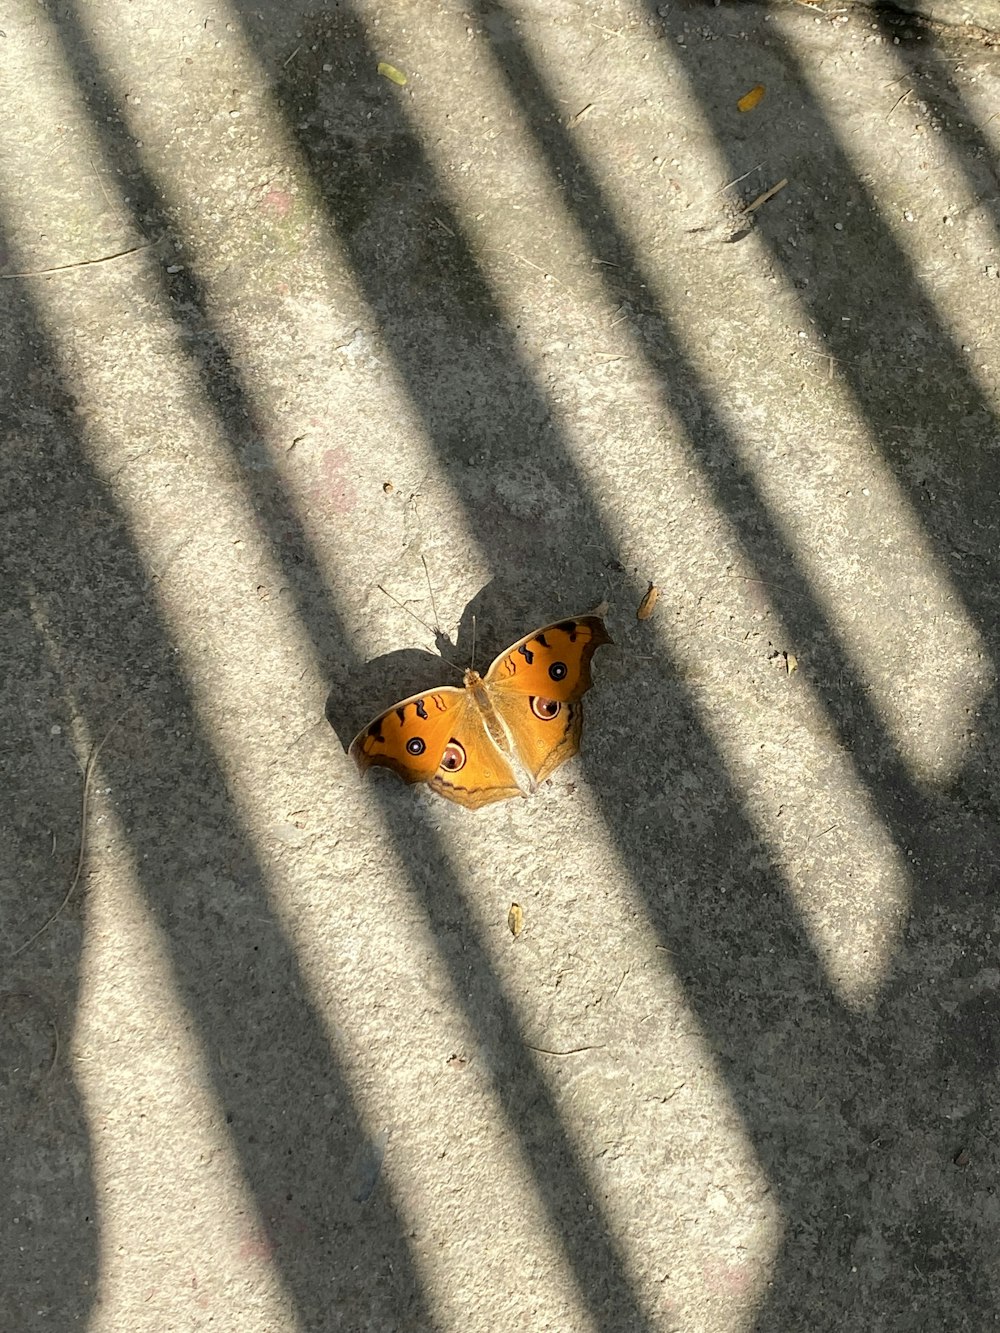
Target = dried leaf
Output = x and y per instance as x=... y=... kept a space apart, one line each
x=515 y=919
x=751 y=99
x=784 y=661
x=648 y=604
x=396 y=75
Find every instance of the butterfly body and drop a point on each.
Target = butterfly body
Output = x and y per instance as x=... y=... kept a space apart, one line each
x=499 y=735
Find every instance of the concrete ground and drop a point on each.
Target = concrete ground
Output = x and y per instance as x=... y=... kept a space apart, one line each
x=276 y=330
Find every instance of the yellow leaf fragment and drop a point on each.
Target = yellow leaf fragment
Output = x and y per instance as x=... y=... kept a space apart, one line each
x=648 y=604
x=515 y=919
x=751 y=99
x=396 y=75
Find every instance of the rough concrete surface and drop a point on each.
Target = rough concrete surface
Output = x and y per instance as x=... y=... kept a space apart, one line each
x=278 y=330
x=984 y=14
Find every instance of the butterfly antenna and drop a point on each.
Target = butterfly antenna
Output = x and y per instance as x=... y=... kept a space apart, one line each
x=430 y=592
x=453 y=665
x=402 y=607
x=438 y=636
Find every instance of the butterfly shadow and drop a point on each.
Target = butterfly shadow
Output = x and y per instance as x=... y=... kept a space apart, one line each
x=364 y=692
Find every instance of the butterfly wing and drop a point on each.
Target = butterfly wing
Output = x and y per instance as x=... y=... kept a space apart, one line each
x=439 y=737
x=536 y=687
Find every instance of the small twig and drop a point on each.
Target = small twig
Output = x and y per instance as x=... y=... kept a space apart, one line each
x=901 y=98
x=543 y=1050
x=669 y=1097
x=88 y=777
x=582 y=114
x=80 y=263
x=531 y=263
x=55 y=1049
x=768 y=194
x=291 y=57
x=107 y=197
x=729 y=184
x=764 y=583
x=813 y=836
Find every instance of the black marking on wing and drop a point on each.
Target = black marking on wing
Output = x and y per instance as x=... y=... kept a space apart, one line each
x=421 y=710
x=401 y=714
x=526 y=652
x=375 y=730
x=539 y=638
x=569 y=627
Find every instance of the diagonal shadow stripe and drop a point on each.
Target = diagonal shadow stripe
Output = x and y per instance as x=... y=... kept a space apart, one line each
x=926 y=1230
x=518 y=1082
x=48 y=1227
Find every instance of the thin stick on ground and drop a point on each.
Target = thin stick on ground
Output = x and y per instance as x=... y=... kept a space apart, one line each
x=88 y=777
x=768 y=194
x=736 y=180
x=79 y=263
x=544 y=1050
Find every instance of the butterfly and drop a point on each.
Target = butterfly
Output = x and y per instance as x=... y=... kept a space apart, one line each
x=499 y=735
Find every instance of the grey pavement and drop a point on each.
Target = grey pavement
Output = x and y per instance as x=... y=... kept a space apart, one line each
x=538 y=312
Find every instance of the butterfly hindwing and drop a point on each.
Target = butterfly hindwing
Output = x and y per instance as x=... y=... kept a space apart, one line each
x=485 y=775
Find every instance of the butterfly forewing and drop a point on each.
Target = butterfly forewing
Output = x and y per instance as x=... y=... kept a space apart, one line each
x=552 y=663
x=411 y=738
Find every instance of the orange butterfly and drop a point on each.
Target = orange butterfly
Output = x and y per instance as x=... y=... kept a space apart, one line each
x=503 y=733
